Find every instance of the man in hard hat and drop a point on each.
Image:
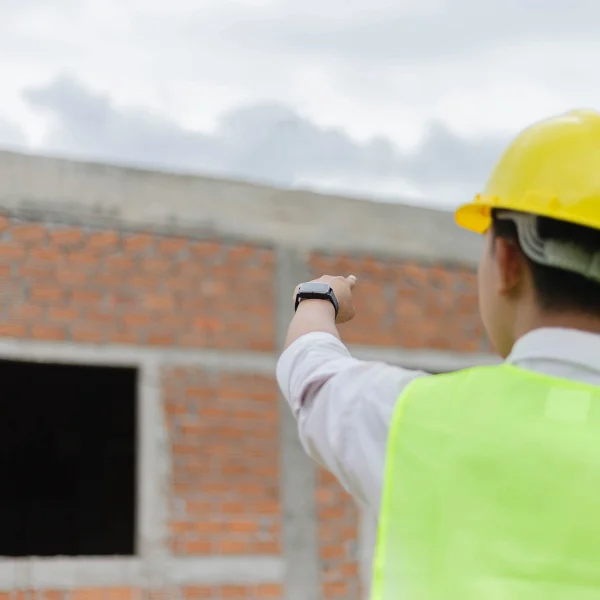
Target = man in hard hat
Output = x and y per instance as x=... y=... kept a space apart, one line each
x=487 y=481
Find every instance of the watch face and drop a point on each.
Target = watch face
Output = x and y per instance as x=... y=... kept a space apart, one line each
x=315 y=287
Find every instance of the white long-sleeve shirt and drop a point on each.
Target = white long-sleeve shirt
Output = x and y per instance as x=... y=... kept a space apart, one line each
x=344 y=406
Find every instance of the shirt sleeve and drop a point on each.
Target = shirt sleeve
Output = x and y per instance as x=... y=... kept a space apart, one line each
x=344 y=408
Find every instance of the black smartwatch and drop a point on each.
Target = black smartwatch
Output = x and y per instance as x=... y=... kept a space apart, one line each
x=315 y=290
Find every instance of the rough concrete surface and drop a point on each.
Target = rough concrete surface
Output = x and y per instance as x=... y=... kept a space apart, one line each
x=36 y=186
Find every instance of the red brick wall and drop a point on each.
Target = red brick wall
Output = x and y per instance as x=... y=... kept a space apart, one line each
x=63 y=283
x=79 y=284
x=404 y=304
x=338 y=540
x=66 y=283
x=227 y=592
x=234 y=592
x=224 y=436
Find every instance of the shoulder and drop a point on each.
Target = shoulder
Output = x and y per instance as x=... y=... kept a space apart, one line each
x=463 y=377
x=435 y=395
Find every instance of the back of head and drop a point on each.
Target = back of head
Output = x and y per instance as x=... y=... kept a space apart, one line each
x=543 y=197
x=563 y=258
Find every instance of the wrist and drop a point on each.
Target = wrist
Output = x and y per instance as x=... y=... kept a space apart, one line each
x=312 y=315
x=317 y=306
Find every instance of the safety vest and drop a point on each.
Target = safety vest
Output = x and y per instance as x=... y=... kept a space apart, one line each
x=492 y=490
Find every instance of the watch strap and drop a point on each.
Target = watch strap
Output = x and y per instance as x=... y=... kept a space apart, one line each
x=317 y=291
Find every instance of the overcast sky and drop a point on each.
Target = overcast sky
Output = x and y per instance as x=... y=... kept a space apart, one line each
x=408 y=99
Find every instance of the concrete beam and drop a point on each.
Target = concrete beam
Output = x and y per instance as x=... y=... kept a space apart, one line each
x=367 y=539
x=133 y=356
x=77 y=572
x=245 y=362
x=49 y=188
x=302 y=576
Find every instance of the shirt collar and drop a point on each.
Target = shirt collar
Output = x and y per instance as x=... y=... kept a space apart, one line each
x=558 y=344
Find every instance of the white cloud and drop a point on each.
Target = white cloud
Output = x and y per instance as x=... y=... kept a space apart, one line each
x=423 y=75
x=11 y=136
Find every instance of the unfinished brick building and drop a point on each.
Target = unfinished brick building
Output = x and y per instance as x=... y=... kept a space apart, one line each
x=146 y=451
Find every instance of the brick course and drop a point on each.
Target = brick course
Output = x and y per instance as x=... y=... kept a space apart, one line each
x=62 y=283
x=400 y=303
x=266 y=591
x=338 y=540
x=223 y=430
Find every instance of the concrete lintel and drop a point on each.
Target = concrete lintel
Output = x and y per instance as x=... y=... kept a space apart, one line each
x=244 y=362
x=70 y=573
x=52 y=188
x=133 y=356
x=426 y=360
x=217 y=570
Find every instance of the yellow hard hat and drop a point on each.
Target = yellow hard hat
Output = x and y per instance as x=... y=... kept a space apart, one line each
x=552 y=169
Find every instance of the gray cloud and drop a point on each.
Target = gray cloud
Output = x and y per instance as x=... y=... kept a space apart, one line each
x=267 y=143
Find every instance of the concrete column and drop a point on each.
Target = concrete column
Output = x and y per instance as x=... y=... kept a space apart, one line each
x=298 y=472
x=367 y=538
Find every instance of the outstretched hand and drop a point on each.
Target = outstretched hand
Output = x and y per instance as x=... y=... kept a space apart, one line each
x=342 y=288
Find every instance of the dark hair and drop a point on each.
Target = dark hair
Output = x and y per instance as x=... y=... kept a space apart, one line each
x=558 y=290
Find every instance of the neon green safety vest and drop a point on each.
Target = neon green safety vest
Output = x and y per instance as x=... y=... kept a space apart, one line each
x=492 y=490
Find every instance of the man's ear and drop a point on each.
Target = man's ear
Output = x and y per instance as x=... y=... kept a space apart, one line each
x=510 y=266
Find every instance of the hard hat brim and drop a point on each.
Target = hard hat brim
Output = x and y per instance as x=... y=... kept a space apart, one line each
x=474 y=216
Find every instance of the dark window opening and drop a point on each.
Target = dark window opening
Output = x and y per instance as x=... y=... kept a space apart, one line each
x=68 y=465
